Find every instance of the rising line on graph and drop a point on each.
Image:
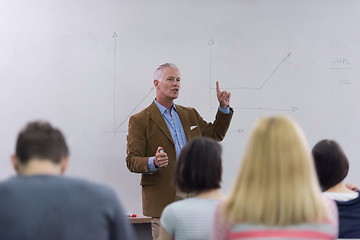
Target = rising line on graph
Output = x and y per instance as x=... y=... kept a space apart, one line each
x=266 y=80
x=134 y=109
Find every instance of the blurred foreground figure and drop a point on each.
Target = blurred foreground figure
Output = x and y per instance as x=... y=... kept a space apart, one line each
x=332 y=167
x=40 y=204
x=276 y=194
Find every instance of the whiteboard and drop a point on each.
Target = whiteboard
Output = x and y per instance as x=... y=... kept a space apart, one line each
x=87 y=65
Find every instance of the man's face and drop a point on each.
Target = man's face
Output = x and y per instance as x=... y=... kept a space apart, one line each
x=168 y=86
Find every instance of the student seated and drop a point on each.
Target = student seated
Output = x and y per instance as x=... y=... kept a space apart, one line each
x=276 y=194
x=40 y=204
x=198 y=172
x=332 y=167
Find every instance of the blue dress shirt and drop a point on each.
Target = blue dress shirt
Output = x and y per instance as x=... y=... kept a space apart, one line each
x=176 y=129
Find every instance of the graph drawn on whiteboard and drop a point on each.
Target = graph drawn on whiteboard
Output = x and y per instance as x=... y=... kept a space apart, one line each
x=119 y=128
x=271 y=75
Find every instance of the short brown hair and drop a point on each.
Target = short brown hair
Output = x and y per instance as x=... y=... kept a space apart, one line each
x=40 y=140
x=199 y=166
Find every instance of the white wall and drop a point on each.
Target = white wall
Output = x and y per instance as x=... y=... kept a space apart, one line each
x=60 y=61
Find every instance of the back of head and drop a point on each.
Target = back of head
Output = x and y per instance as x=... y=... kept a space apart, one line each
x=199 y=166
x=42 y=141
x=331 y=163
x=277 y=183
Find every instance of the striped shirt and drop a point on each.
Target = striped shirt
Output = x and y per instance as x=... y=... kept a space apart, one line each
x=326 y=230
x=189 y=219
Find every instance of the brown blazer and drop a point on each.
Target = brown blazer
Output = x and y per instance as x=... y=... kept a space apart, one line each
x=147 y=131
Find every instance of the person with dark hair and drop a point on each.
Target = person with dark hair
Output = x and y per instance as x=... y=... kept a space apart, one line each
x=39 y=204
x=198 y=172
x=332 y=167
x=157 y=134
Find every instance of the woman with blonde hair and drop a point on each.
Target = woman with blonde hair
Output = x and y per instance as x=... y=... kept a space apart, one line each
x=276 y=194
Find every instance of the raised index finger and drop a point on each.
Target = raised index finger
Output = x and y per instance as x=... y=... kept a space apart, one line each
x=217 y=87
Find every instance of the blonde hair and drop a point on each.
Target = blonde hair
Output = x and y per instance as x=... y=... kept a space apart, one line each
x=277 y=183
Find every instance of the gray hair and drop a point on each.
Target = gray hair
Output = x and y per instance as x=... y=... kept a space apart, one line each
x=159 y=69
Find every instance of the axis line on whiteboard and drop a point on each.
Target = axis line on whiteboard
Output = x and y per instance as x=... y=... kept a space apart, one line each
x=239 y=131
x=292 y=109
x=114 y=36
x=210 y=44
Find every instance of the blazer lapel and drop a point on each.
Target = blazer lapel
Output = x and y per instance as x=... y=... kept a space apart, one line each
x=155 y=115
x=184 y=118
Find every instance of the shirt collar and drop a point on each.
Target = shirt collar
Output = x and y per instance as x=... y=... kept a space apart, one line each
x=162 y=108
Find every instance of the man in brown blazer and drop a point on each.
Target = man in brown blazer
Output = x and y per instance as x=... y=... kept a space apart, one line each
x=157 y=134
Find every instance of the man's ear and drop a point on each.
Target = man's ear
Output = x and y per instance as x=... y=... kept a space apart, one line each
x=64 y=164
x=156 y=83
x=15 y=162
